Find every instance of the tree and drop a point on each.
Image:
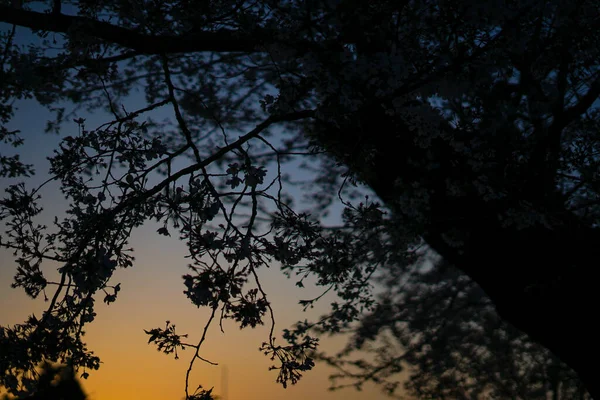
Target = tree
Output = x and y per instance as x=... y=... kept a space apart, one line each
x=473 y=123
x=55 y=382
x=441 y=328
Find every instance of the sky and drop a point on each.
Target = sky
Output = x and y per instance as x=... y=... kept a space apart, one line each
x=152 y=292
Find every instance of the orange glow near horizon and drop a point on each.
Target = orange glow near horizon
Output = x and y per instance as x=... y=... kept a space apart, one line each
x=151 y=294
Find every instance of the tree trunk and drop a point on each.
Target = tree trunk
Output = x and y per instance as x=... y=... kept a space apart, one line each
x=540 y=277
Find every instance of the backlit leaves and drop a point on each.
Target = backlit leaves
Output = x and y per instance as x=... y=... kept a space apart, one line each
x=166 y=340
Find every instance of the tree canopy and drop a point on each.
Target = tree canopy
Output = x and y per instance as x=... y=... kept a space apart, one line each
x=467 y=128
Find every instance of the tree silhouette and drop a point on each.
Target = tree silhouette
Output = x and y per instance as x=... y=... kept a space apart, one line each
x=54 y=383
x=441 y=329
x=473 y=123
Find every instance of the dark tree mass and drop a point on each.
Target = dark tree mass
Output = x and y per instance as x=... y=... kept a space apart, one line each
x=458 y=137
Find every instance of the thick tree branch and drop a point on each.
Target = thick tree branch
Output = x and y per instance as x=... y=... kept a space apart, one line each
x=568 y=115
x=220 y=41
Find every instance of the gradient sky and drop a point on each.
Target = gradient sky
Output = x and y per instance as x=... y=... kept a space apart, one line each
x=152 y=292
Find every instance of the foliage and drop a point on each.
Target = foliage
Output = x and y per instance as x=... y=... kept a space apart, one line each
x=441 y=329
x=54 y=382
x=468 y=125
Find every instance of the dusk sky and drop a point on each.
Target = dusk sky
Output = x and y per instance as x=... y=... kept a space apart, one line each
x=205 y=125
x=152 y=292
